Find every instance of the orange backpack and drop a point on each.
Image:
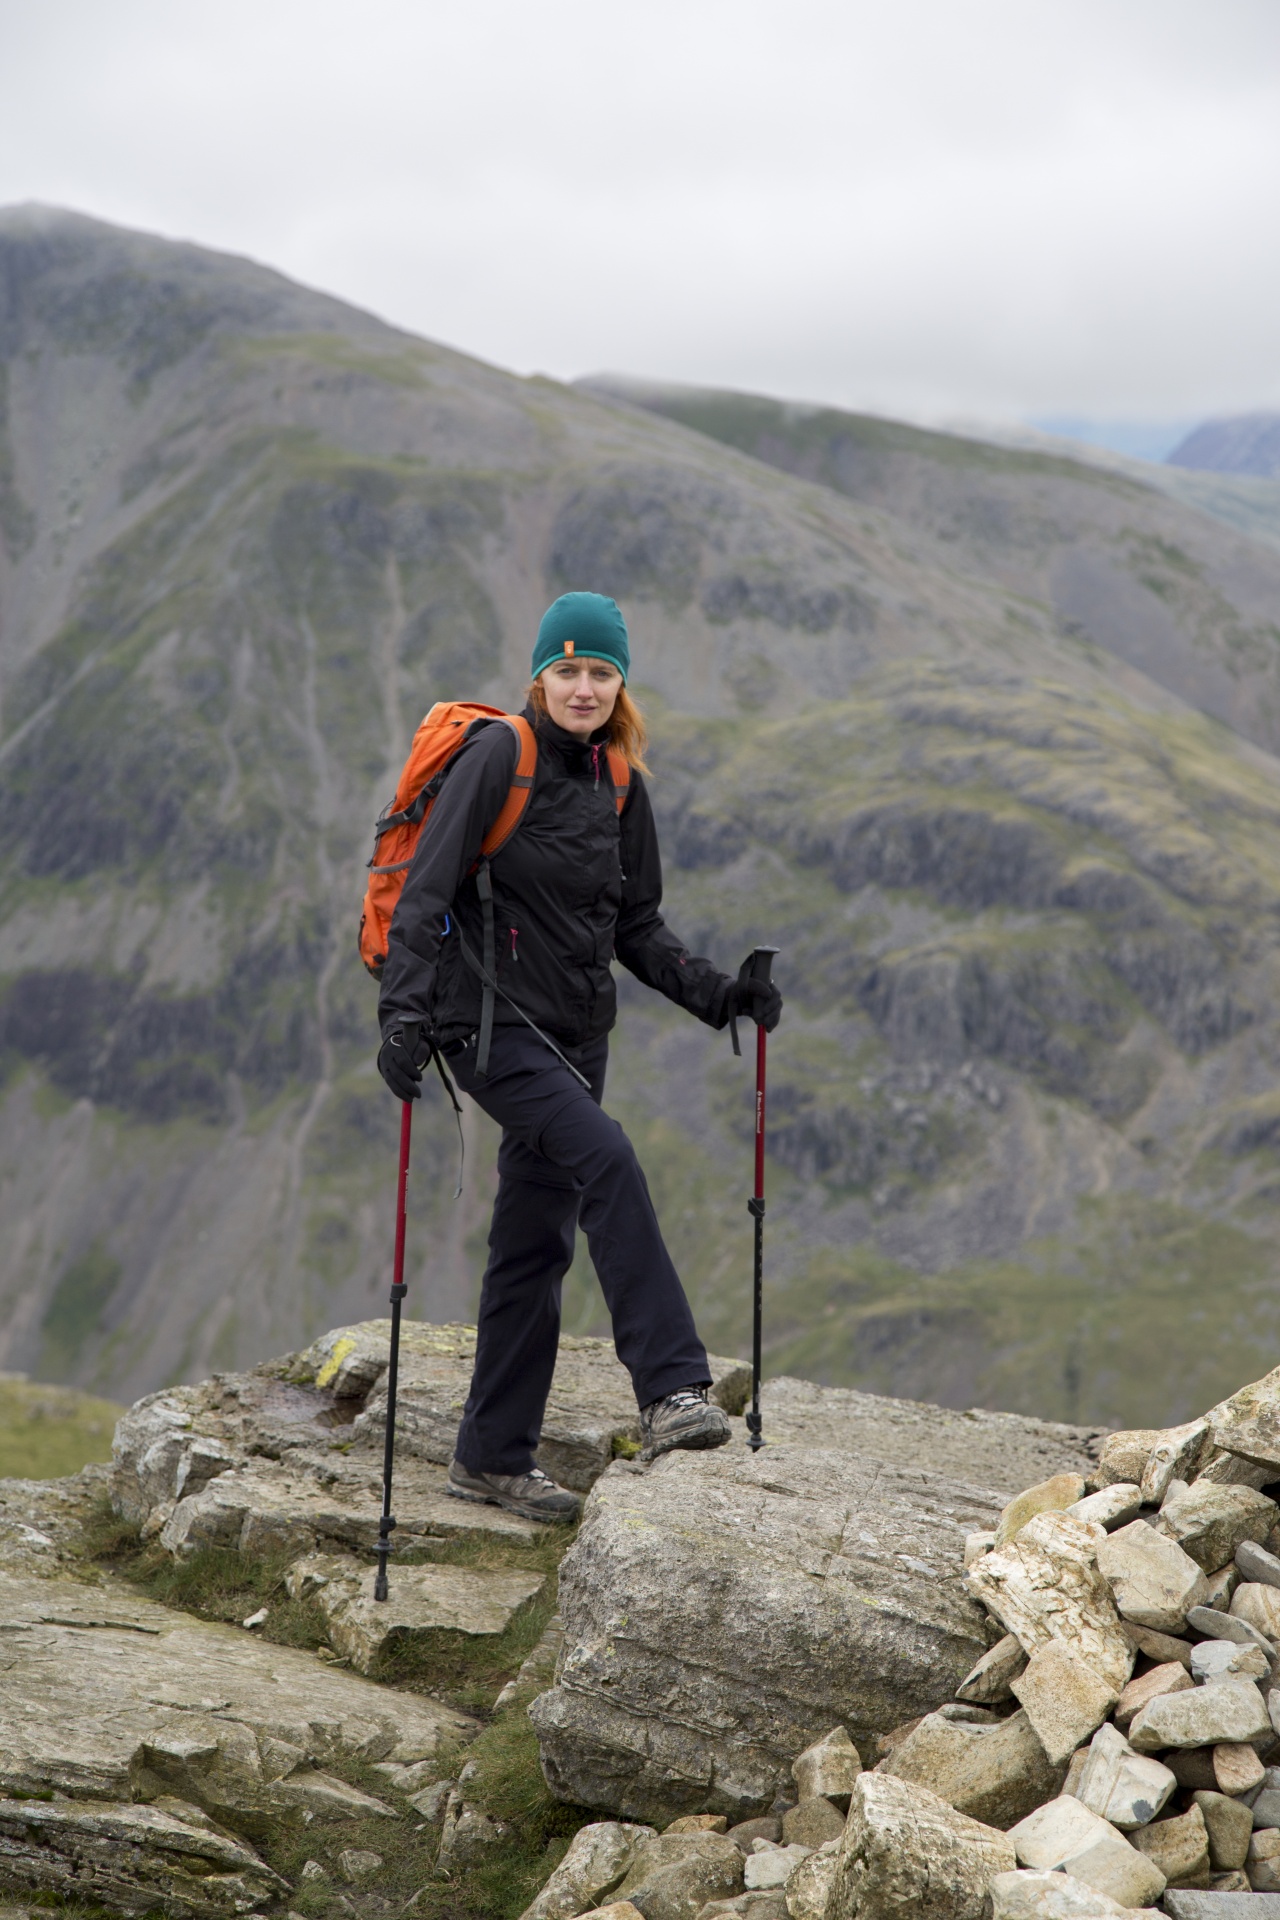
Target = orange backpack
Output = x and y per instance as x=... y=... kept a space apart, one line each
x=395 y=840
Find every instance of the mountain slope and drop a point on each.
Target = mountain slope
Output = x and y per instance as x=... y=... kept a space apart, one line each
x=1247 y=443
x=1026 y=893
x=1156 y=585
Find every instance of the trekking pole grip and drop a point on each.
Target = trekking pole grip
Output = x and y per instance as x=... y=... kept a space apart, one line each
x=761 y=963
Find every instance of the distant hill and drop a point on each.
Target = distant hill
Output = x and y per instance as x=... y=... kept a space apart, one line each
x=1246 y=443
x=982 y=738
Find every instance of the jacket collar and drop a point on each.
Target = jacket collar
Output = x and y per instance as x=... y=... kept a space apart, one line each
x=571 y=746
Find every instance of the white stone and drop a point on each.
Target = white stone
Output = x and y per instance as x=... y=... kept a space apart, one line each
x=995 y=1771
x=1248 y=1422
x=1122 y=1786
x=424 y=1602
x=358 y=1862
x=1110 y=1507
x=1065 y=1836
x=1216 y=1659
x=1209 y=1521
x=1153 y=1580
x=1230 y=1711
x=1023 y=1895
x=1044 y=1585
x=1256 y=1563
x=1257 y=1603
x=773 y=1866
x=1214 y=1625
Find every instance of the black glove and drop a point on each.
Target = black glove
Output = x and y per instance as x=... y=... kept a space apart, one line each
x=399 y=1067
x=758 y=1000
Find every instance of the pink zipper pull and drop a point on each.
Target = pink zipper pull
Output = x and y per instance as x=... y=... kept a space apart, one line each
x=595 y=763
x=514 y=954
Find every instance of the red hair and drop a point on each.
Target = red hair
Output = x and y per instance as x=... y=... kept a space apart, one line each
x=625 y=729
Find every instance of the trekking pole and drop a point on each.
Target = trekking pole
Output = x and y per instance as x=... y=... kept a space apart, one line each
x=759 y=967
x=409 y=1033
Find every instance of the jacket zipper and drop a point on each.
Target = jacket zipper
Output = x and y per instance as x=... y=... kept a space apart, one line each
x=513 y=932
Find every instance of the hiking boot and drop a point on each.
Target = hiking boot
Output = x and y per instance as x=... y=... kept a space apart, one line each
x=533 y=1495
x=682 y=1419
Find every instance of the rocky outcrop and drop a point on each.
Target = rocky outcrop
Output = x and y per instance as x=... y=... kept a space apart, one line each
x=288 y=1458
x=144 y=1753
x=697 y=1602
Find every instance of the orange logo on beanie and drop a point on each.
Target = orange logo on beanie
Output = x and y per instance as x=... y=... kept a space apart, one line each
x=568 y=649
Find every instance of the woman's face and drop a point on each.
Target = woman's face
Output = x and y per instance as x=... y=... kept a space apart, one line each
x=581 y=694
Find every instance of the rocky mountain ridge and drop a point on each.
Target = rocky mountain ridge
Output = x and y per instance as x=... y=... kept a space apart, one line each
x=926 y=713
x=866 y=1672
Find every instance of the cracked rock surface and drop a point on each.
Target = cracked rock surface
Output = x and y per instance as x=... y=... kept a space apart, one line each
x=694 y=1602
x=168 y=1745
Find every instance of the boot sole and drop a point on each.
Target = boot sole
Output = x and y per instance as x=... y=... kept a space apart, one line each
x=521 y=1511
x=702 y=1441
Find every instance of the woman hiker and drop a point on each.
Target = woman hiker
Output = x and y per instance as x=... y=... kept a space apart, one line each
x=577 y=883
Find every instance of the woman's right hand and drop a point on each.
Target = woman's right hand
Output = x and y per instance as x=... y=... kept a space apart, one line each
x=399 y=1069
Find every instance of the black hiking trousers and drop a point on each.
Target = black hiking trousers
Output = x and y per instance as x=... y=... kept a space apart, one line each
x=562 y=1162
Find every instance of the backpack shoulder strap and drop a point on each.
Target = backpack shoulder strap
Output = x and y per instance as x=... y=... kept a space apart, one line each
x=521 y=785
x=620 y=774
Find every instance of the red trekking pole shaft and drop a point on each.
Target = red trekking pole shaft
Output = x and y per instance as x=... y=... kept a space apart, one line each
x=760 y=967
x=387 y=1523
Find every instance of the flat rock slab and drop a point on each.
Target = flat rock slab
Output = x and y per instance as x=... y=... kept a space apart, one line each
x=1005 y=1451
x=423 y=1603
x=300 y=1506
x=288 y=1458
x=723 y=1611
x=107 y=1696
x=591 y=1404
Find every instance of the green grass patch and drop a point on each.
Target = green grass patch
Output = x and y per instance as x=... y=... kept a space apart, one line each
x=504 y=1777
x=1146 y=1315
x=46 y=1431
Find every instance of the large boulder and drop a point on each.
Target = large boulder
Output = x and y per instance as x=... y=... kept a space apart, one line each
x=723 y=1611
x=1005 y=1451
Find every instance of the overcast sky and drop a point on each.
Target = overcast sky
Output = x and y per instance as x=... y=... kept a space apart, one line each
x=946 y=208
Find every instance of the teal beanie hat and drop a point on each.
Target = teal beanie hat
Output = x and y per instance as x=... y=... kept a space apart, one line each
x=583 y=626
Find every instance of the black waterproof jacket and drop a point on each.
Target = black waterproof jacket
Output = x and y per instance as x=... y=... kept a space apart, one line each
x=575 y=885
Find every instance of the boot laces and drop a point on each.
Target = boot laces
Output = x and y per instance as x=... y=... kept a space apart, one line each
x=535 y=1481
x=682 y=1400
